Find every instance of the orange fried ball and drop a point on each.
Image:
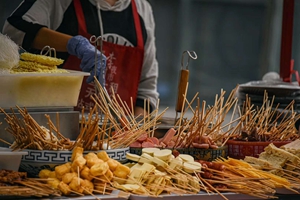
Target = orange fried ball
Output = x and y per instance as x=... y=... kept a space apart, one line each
x=64 y=188
x=85 y=173
x=113 y=164
x=122 y=171
x=67 y=178
x=75 y=184
x=44 y=173
x=99 y=169
x=103 y=156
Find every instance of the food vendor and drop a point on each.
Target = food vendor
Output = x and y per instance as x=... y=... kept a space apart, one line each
x=127 y=30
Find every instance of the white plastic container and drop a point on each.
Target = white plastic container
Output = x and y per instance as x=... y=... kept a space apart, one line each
x=10 y=160
x=40 y=89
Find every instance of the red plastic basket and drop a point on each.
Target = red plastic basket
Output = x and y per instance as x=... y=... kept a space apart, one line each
x=240 y=149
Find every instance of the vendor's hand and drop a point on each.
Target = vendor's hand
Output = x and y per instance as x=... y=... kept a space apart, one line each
x=84 y=50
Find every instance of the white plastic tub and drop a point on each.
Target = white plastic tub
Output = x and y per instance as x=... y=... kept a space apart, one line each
x=10 y=160
x=40 y=89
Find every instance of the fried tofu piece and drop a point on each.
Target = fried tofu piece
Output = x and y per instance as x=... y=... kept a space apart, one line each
x=67 y=178
x=63 y=169
x=99 y=169
x=85 y=173
x=75 y=184
x=52 y=174
x=91 y=159
x=103 y=156
x=91 y=155
x=88 y=186
x=44 y=173
x=79 y=162
x=78 y=151
x=107 y=177
x=64 y=188
x=53 y=182
x=113 y=164
x=101 y=188
x=122 y=171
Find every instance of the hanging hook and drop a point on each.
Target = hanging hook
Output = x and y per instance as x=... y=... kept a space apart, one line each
x=47 y=51
x=95 y=40
x=194 y=57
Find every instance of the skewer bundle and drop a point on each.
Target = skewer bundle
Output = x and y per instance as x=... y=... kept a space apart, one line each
x=127 y=127
x=240 y=177
x=206 y=128
x=14 y=183
x=283 y=161
x=93 y=135
x=28 y=134
x=266 y=123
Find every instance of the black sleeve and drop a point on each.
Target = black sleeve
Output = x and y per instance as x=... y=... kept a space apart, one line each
x=30 y=29
x=140 y=103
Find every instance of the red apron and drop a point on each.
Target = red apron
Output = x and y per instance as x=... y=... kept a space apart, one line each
x=123 y=68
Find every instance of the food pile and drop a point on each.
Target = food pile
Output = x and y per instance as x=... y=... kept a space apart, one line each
x=86 y=174
x=267 y=124
x=283 y=161
x=158 y=172
x=28 y=134
x=14 y=183
x=204 y=130
x=38 y=63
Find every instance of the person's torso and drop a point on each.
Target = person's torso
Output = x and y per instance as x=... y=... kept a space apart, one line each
x=118 y=26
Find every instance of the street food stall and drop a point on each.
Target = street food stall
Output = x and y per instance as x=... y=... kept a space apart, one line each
x=49 y=150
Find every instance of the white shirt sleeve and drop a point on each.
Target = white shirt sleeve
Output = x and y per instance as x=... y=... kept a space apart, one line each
x=148 y=83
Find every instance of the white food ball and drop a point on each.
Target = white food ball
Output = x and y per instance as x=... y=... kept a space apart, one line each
x=271 y=76
x=9 y=53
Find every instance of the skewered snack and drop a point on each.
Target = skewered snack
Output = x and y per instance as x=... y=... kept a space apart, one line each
x=85 y=173
x=53 y=182
x=92 y=159
x=266 y=123
x=78 y=163
x=88 y=187
x=13 y=183
x=278 y=161
x=99 y=169
x=82 y=175
x=205 y=130
x=64 y=188
x=9 y=176
x=28 y=134
x=67 y=177
x=76 y=185
x=107 y=177
x=103 y=156
x=44 y=173
x=113 y=164
x=127 y=127
x=63 y=169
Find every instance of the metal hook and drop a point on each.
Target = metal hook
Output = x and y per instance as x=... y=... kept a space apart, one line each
x=194 y=57
x=48 y=52
x=95 y=40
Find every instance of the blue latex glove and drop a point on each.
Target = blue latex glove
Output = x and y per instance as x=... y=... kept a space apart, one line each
x=80 y=47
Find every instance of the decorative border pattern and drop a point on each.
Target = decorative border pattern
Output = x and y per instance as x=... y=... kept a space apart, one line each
x=199 y=154
x=63 y=157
